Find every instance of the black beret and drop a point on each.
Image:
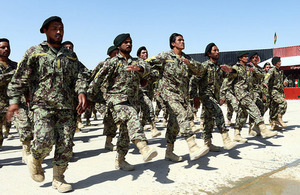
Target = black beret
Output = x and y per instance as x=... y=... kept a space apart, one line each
x=121 y=38
x=140 y=50
x=275 y=60
x=48 y=20
x=208 y=48
x=241 y=53
x=67 y=43
x=110 y=49
x=252 y=54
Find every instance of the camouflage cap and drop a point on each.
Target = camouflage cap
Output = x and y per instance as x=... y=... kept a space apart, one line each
x=48 y=20
x=110 y=49
x=208 y=48
x=241 y=53
x=120 y=39
x=275 y=60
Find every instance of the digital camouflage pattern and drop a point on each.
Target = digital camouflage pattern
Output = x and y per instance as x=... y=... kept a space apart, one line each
x=174 y=83
x=211 y=81
x=243 y=91
x=275 y=79
x=7 y=71
x=122 y=92
x=52 y=78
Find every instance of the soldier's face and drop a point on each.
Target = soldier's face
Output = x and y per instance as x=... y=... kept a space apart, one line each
x=214 y=53
x=254 y=59
x=179 y=43
x=278 y=64
x=69 y=46
x=4 y=49
x=55 y=32
x=113 y=53
x=267 y=68
x=126 y=46
x=244 y=58
x=144 y=54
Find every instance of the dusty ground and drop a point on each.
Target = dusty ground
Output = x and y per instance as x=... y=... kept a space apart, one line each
x=261 y=166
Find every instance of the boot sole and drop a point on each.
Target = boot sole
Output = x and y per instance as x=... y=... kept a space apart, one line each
x=62 y=191
x=150 y=156
x=156 y=135
x=267 y=136
x=203 y=152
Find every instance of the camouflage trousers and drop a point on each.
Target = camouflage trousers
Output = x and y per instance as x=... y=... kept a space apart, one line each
x=53 y=127
x=2 y=119
x=247 y=106
x=160 y=105
x=260 y=105
x=101 y=107
x=178 y=120
x=110 y=127
x=193 y=110
x=126 y=116
x=232 y=105
x=88 y=112
x=23 y=123
x=212 y=114
x=278 y=105
x=147 y=110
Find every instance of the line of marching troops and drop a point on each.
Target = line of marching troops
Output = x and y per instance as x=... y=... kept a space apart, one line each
x=38 y=94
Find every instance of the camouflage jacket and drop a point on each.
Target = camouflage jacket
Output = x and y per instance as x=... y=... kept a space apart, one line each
x=211 y=80
x=242 y=80
x=194 y=86
x=52 y=78
x=121 y=85
x=6 y=73
x=174 y=83
x=274 y=79
x=257 y=83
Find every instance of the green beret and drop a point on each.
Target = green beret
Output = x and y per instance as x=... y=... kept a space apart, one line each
x=208 y=48
x=241 y=53
x=275 y=60
x=48 y=20
x=120 y=39
x=110 y=49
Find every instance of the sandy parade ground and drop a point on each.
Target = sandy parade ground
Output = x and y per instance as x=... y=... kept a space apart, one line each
x=261 y=166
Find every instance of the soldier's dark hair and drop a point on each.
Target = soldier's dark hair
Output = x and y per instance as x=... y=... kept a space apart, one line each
x=67 y=43
x=4 y=40
x=138 y=53
x=173 y=38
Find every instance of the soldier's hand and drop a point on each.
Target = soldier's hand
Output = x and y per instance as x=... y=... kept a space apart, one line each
x=13 y=108
x=226 y=68
x=265 y=85
x=285 y=83
x=133 y=68
x=186 y=61
x=82 y=105
x=264 y=98
x=197 y=102
x=250 y=69
x=222 y=101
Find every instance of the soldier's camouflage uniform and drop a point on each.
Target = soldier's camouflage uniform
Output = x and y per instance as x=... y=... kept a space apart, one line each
x=51 y=76
x=146 y=96
x=160 y=103
x=110 y=127
x=258 y=92
x=23 y=121
x=209 y=92
x=122 y=97
x=193 y=92
x=274 y=79
x=267 y=95
x=243 y=91
x=7 y=71
x=231 y=101
x=174 y=86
